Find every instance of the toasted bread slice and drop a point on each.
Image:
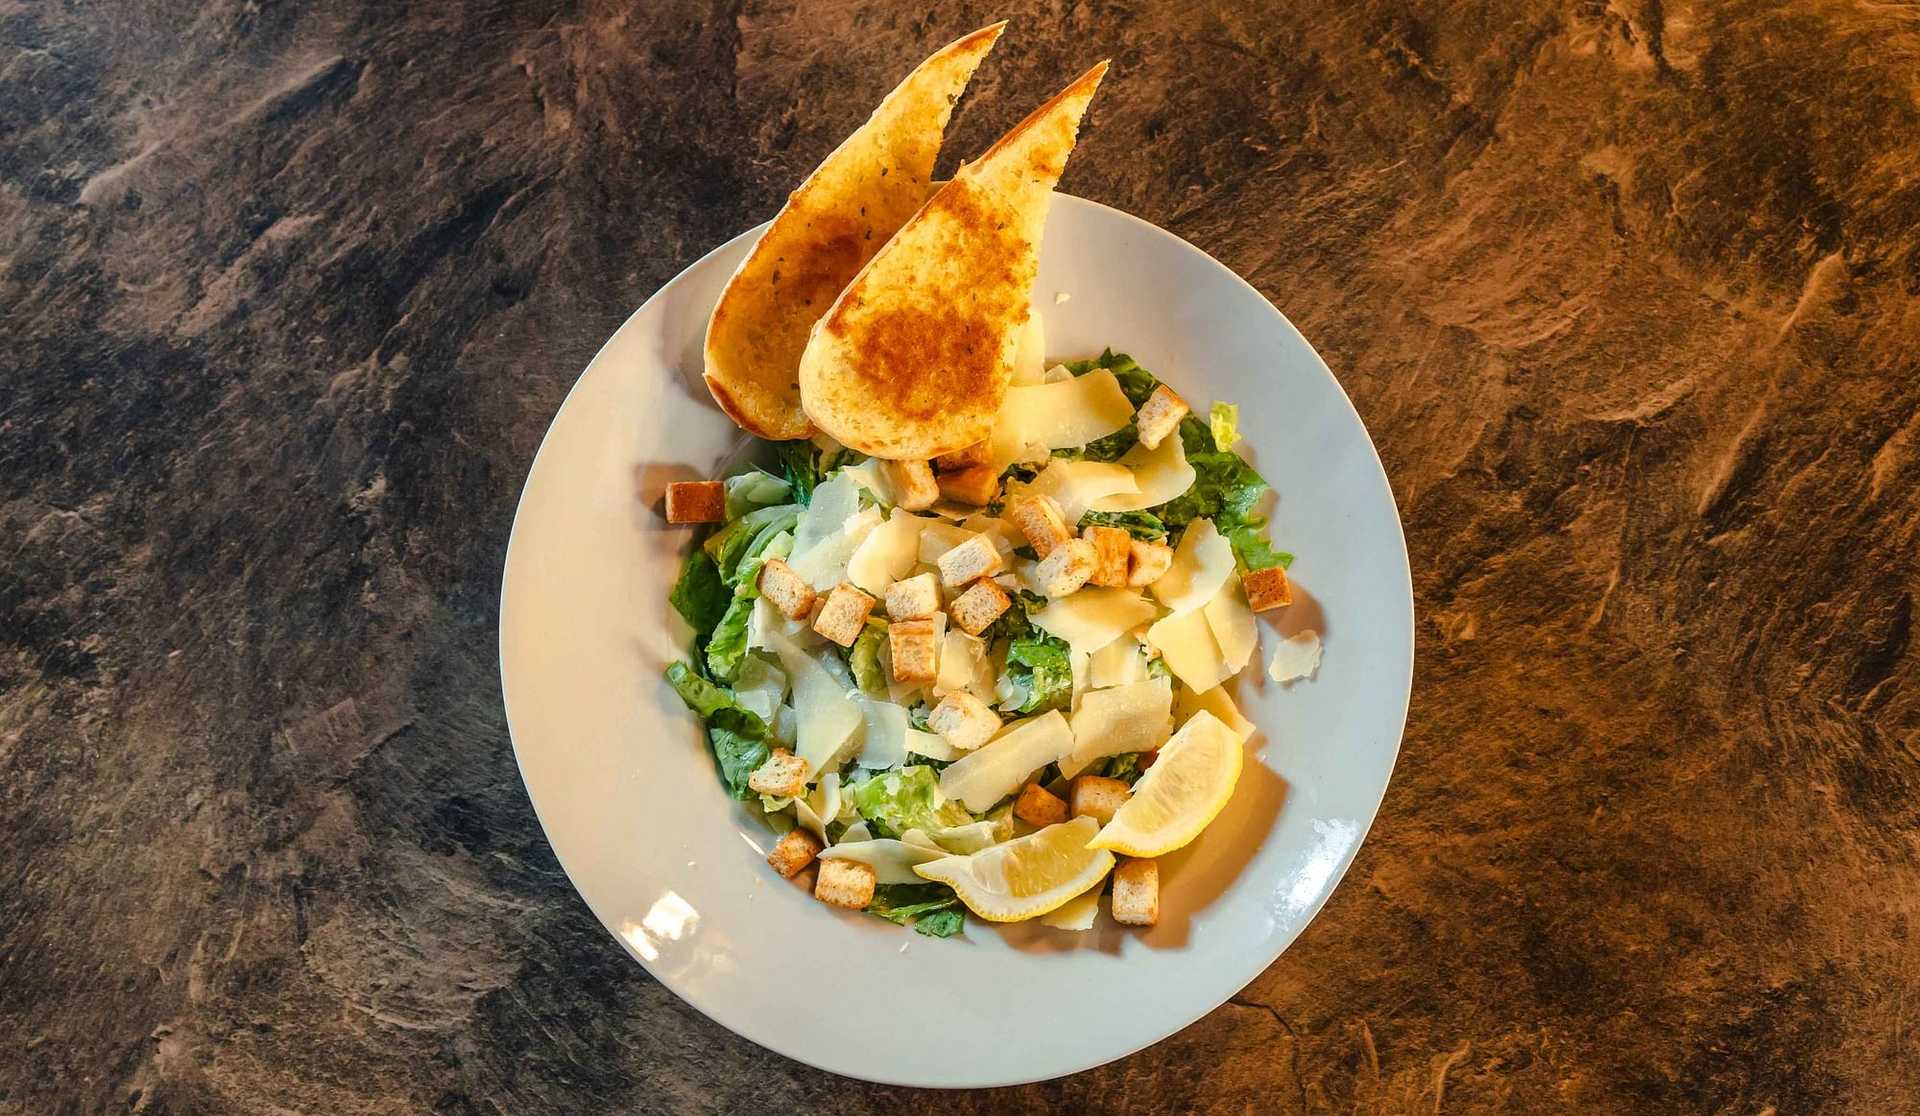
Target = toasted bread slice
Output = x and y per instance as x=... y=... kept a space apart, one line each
x=914 y=358
x=830 y=227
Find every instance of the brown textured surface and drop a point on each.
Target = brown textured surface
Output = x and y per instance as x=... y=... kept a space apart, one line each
x=1628 y=294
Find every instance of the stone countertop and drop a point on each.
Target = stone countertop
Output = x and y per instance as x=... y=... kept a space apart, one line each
x=1627 y=294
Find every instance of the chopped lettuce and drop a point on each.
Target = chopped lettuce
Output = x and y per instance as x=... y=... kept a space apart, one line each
x=700 y=596
x=1144 y=526
x=907 y=798
x=748 y=536
x=1223 y=422
x=729 y=642
x=1125 y=767
x=1039 y=669
x=1252 y=550
x=738 y=737
x=798 y=466
x=932 y=908
x=755 y=489
x=1225 y=490
x=864 y=659
x=1135 y=382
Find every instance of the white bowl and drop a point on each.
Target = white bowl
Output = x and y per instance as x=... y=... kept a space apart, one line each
x=628 y=794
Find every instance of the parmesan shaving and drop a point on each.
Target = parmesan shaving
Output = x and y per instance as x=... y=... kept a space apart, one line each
x=1231 y=621
x=998 y=767
x=1215 y=701
x=1131 y=718
x=1060 y=415
x=892 y=861
x=1077 y=485
x=1202 y=563
x=1092 y=618
x=1160 y=474
x=887 y=554
x=1075 y=914
x=1186 y=642
x=1296 y=657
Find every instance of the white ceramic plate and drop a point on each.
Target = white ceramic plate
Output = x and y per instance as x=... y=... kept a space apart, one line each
x=629 y=797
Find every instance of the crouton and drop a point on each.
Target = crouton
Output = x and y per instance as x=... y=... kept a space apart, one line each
x=787 y=590
x=784 y=775
x=914 y=598
x=1066 y=569
x=1146 y=561
x=1039 y=518
x=696 y=502
x=1159 y=415
x=1267 y=588
x=912 y=483
x=844 y=614
x=1136 y=892
x=795 y=851
x=1112 y=552
x=975 y=486
x=979 y=606
x=844 y=883
x=1036 y=807
x=964 y=721
x=971 y=560
x=1097 y=797
x=910 y=644
x=978 y=453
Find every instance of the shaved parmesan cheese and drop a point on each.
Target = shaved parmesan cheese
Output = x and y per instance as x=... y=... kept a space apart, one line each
x=1060 y=415
x=1030 y=351
x=937 y=538
x=825 y=565
x=1092 y=618
x=1075 y=914
x=1077 y=485
x=997 y=768
x=835 y=500
x=1215 y=701
x=931 y=745
x=885 y=742
x=1296 y=657
x=1077 y=667
x=1131 y=718
x=887 y=554
x=827 y=715
x=1056 y=374
x=1004 y=536
x=972 y=837
x=892 y=861
x=870 y=476
x=1117 y=664
x=760 y=687
x=821 y=806
x=1186 y=642
x=786 y=725
x=858 y=831
x=1231 y=622
x=766 y=622
x=1161 y=474
x=964 y=667
x=1202 y=563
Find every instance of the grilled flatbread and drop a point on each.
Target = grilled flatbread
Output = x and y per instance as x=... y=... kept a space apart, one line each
x=831 y=226
x=914 y=358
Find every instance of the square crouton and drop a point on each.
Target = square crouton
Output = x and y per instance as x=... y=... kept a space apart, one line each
x=971 y=560
x=912 y=483
x=844 y=614
x=1038 y=808
x=1136 y=892
x=1112 y=553
x=1039 y=518
x=979 y=453
x=1097 y=797
x=964 y=721
x=914 y=598
x=1066 y=569
x=976 y=486
x=975 y=609
x=1146 y=561
x=784 y=775
x=696 y=502
x=910 y=644
x=788 y=591
x=1267 y=588
x=844 y=883
x=1159 y=415
x=795 y=851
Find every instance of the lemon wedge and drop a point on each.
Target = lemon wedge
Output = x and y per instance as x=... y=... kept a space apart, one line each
x=1186 y=788
x=1027 y=876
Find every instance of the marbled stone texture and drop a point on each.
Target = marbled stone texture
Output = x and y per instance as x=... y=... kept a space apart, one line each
x=1628 y=294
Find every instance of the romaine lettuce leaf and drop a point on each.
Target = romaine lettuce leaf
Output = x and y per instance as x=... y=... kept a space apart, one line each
x=755 y=488
x=1225 y=490
x=738 y=737
x=700 y=596
x=1223 y=422
x=1252 y=550
x=750 y=534
x=1144 y=526
x=729 y=641
x=798 y=466
x=1038 y=665
x=906 y=798
x=933 y=908
x=864 y=659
